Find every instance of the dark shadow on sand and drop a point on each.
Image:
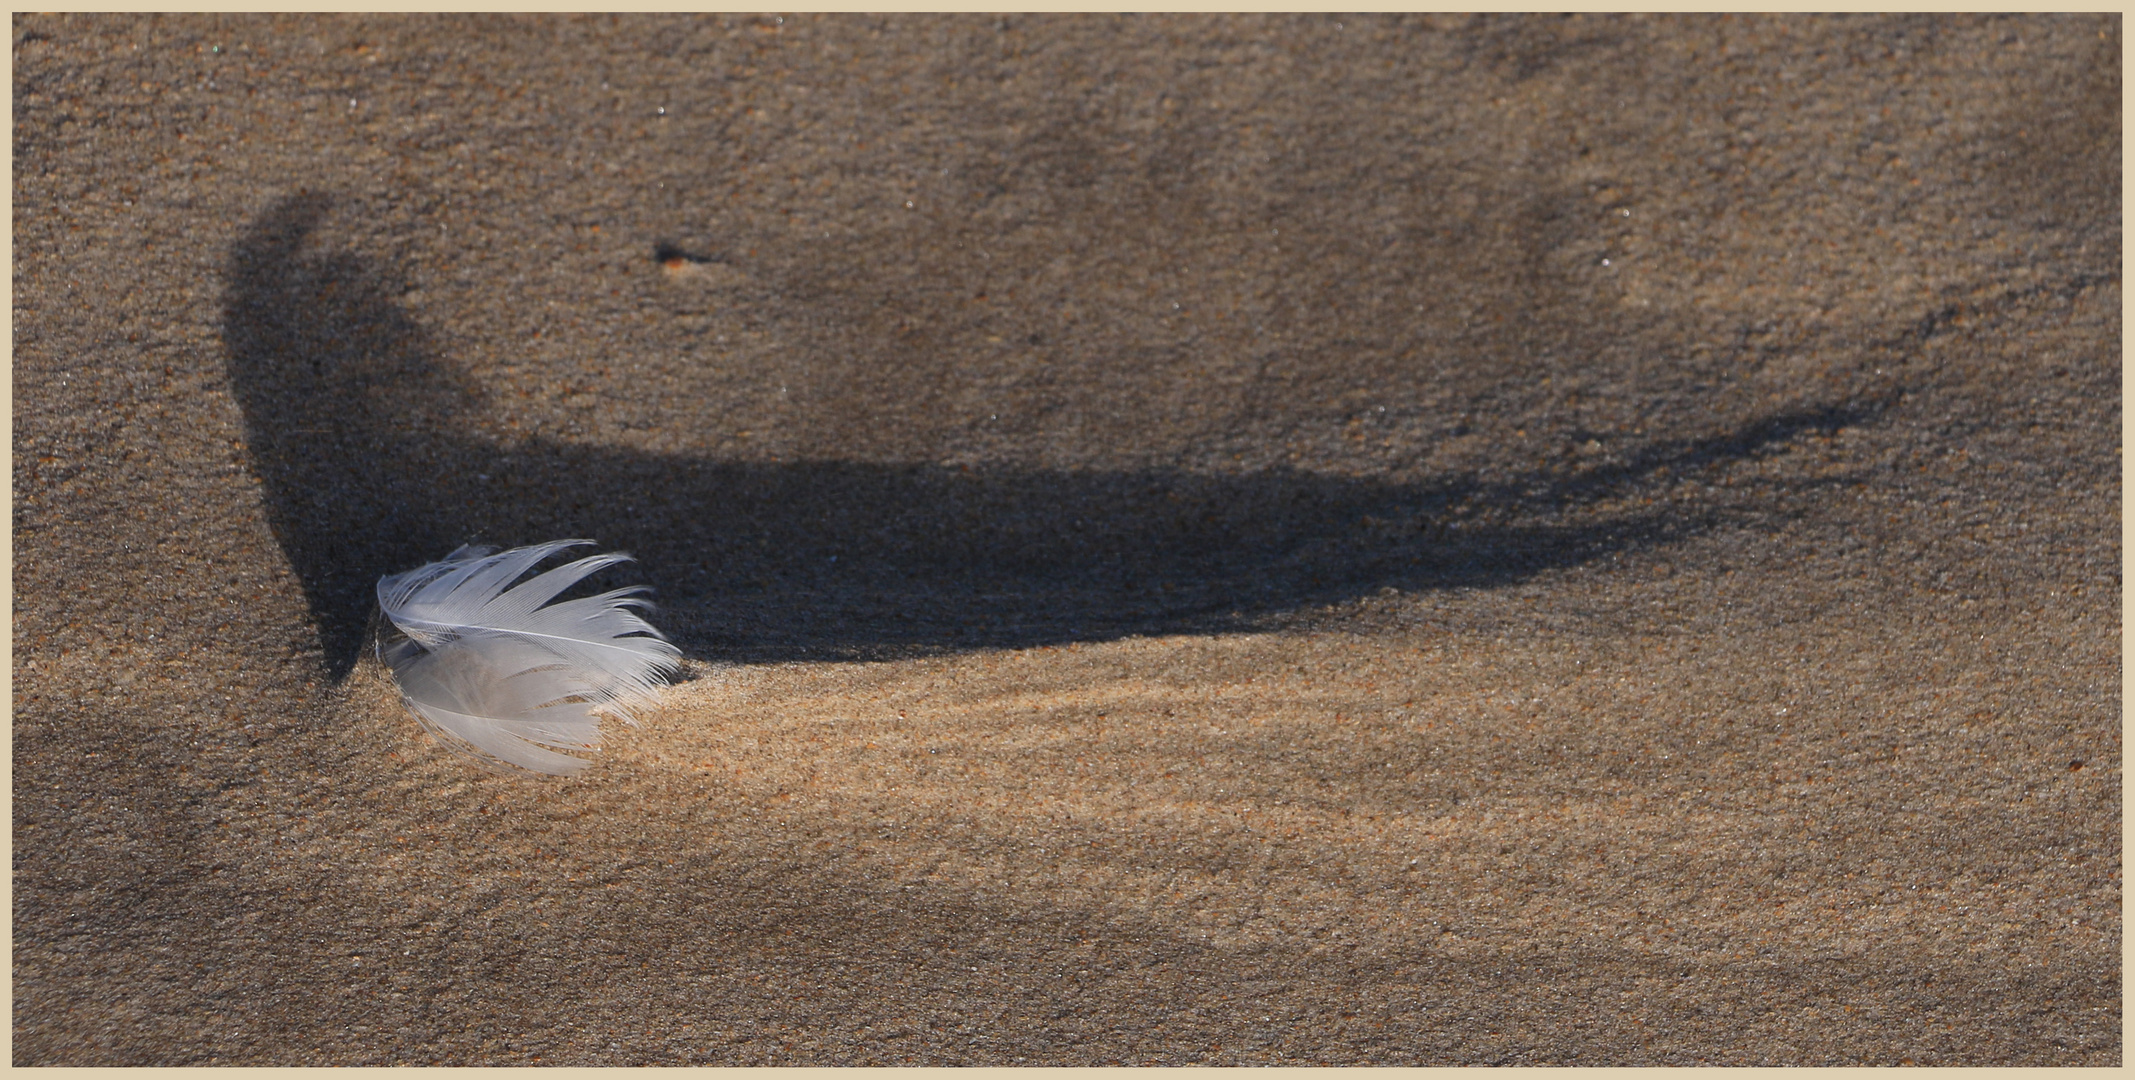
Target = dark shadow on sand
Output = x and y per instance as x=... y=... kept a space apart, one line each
x=351 y=423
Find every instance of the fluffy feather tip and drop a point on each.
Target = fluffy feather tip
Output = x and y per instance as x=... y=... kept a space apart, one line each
x=499 y=673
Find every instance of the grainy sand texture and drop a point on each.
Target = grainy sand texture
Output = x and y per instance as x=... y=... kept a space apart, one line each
x=1399 y=540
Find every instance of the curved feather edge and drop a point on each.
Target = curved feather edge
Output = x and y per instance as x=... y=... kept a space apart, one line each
x=500 y=673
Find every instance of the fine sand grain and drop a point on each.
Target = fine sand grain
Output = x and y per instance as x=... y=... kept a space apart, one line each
x=1262 y=540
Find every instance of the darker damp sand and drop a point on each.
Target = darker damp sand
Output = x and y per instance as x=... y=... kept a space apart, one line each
x=1356 y=541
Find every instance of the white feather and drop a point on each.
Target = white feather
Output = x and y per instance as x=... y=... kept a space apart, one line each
x=505 y=676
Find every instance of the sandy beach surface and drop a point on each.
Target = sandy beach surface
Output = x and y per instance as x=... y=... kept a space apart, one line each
x=1418 y=540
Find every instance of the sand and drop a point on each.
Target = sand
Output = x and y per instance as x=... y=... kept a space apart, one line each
x=1271 y=540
